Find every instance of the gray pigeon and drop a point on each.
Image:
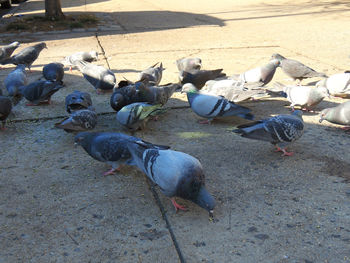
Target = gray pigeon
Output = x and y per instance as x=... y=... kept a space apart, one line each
x=337 y=84
x=176 y=173
x=40 y=91
x=80 y=120
x=153 y=74
x=157 y=94
x=338 y=115
x=84 y=56
x=99 y=77
x=306 y=97
x=54 y=72
x=189 y=64
x=280 y=130
x=134 y=116
x=125 y=95
x=199 y=77
x=296 y=69
x=27 y=55
x=211 y=106
x=6 y=51
x=233 y=90
x=16 y=79
x=261 y=75
x=5 y=110
x=108 y=147
x=77 y=100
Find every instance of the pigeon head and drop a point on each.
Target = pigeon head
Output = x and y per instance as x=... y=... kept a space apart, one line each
x=277 y=56
x=94 y=55
x=84 y=139
x=117 y=101
x=275 y=62
x=77 y=101
x=196 y=63
x=191 y=187
x=21 y=67
x=323 y=91
x=321 y=83
x=189 y=88
x=324 y=114
x=41 y=45
x=298 y=113
x=110 y=79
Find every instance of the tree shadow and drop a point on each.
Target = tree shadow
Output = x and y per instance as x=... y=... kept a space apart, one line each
x=127 y=22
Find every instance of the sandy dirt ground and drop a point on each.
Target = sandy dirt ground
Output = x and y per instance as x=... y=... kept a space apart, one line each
x=55 y=205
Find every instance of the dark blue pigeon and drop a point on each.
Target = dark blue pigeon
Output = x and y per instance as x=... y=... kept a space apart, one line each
x=109 y=147
x=280 y=130
x=54 y=72
x=40 y=91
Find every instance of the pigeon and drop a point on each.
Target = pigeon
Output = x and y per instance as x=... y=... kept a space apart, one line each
x=40 y=91
x=337 y=84
x=280 y=130
x=6 y=51
x=84 y=56
x=338 y=115
x=109 y=147
x=16 y=79
x=306 y=97
x=80 y=120
x=27 y=55
x=134 y=116
x=295 y=69
x=5 y=110
x=126 y=95
x=54 y=72
x=98 y=76
x=176 y=173
x=211 y=106
x=157 y=94
x=199 y=77
x=233 y=90
x=152 y=74
x=77 y=100
x=189 y=64
x=260 y=75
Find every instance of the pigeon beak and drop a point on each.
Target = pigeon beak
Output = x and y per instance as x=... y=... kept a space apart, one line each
x=320 y=120
x=75 y=145
x=211 y=214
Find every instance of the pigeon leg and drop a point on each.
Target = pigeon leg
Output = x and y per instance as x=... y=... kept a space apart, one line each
x=112 y=171
x=177 y=206
x=285 y=153
x=346 y=128
x=70 y=69
x=204 y=122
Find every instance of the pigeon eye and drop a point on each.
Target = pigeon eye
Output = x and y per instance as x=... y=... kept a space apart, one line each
x=74 y=98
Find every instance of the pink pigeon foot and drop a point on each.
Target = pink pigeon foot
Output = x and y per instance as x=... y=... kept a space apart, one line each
x=285 y=153
x=177 y=206
x=112 y=171
x=204 y=122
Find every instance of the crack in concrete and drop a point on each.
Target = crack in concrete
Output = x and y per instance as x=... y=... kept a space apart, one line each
x=168 y=225
x=98 y=114
x=103 y=50
x=192 y=50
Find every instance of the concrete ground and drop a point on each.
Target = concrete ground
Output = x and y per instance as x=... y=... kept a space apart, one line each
x=55 y=205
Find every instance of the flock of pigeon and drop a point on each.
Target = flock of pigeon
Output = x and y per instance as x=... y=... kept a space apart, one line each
x=210 y=93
